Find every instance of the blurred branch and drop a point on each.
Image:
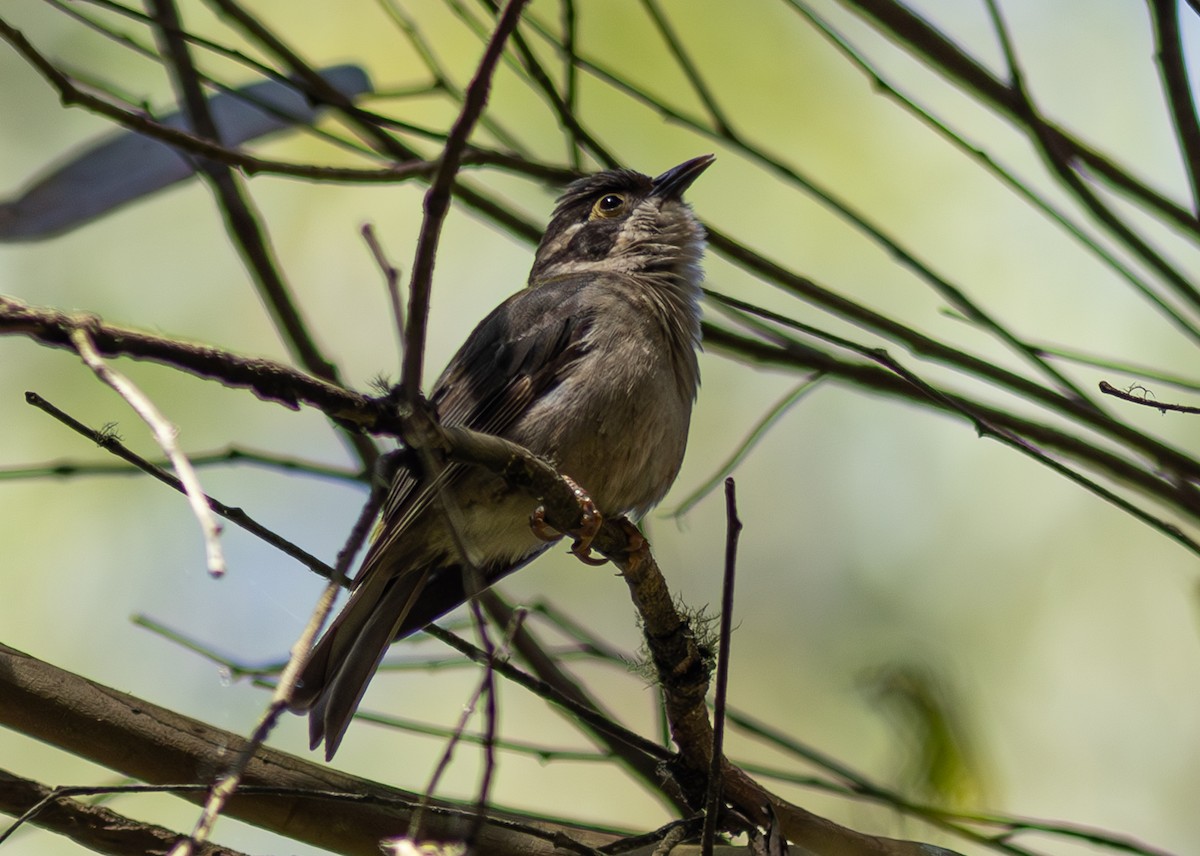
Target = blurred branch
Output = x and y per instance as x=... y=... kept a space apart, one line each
x=1169 y=46
x=917 y=35
x=1017 y=185
x=232 y=455
x=983 y=427
x=1179 y=495
x=1062 y=165
x=285 y=794
x=242 y=221
x=365 y=123
x=94 y=827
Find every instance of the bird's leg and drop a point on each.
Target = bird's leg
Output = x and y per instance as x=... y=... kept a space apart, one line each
x=590 y=522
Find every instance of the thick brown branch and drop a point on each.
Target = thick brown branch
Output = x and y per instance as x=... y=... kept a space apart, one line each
x=683 y=672
x=311 y=803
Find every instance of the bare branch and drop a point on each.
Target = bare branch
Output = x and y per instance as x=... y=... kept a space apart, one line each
x=1173 y=71
x=1145 y=400
x=237 y=516
x=437 y=200
x=712 y=802
x=95 y=827
x=296 y=798
x=166 y=434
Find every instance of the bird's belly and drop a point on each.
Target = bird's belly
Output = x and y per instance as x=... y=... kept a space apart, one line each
x=624 y=449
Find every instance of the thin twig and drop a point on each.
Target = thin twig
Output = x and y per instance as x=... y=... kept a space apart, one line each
x=1004 y=175
x=570 y=29
x=752 y=438
x=67 y=468
x=441 y=76
x=719 y=120
x=544 y=690
x=907 y=28
x=712 y=805
x=1161 y=483
x=986 y=428
x=578 y=136
x=490 y=718
x=1173 y=70
x=365 y=123
x=391 y=281
x=243 y=223
x=437 y=199
x=937 y=350
x=227 y=785
x=485 y=690
x=1144 y=400
x=547 y=666
x=1064 y=168
x=166 y=435
x=237 y=516
x=95 y=828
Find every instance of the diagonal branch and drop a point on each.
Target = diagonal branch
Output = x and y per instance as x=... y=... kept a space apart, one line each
x=242 y=222
x=1173 y=71
x=437 y=199
x=924 y=41
x=94 y=827
x=166 y=436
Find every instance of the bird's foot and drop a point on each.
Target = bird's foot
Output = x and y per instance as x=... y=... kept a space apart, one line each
x=590 y=522
x=636 y=540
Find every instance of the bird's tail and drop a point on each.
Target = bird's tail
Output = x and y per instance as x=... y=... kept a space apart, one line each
x=342 y=663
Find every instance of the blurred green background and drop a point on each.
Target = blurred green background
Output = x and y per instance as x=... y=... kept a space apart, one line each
x=881 y=541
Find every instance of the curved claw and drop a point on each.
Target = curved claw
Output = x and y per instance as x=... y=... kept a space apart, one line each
x=583 y=552
x=590 y=522
x=539 y=527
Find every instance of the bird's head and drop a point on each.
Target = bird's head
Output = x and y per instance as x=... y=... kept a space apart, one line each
x=620 y=221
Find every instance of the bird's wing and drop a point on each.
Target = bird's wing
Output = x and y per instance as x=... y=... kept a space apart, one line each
x=512 y=358
x=515 y=355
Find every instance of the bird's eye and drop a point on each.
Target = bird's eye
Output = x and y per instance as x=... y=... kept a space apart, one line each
x=609 y=205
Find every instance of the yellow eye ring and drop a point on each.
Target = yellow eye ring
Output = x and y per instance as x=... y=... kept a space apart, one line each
x=609 y=205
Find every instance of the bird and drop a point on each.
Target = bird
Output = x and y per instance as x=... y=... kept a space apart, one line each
x=593 y=366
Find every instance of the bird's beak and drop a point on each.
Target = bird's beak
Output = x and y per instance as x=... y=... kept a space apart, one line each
x=676 y=180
